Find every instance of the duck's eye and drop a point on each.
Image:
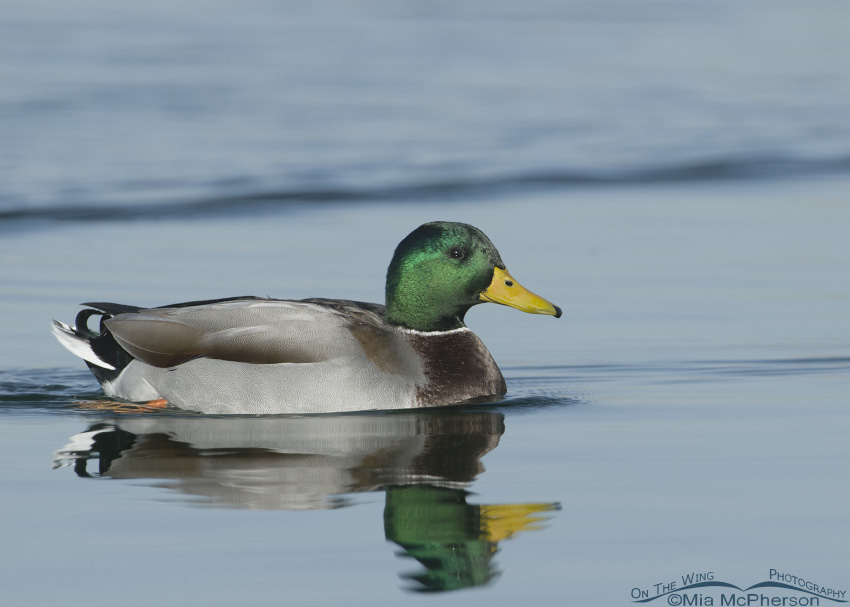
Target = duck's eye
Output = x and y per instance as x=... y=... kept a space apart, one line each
x=456 y=253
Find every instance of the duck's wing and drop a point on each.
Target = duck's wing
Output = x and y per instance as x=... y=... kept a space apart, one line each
x=257 y=331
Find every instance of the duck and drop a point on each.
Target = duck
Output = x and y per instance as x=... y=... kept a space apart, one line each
x=257 y=355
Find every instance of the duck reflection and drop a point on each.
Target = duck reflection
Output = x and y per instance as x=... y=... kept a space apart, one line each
x=422 y=461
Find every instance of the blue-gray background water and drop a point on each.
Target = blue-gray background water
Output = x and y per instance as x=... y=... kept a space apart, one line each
x=674 y=175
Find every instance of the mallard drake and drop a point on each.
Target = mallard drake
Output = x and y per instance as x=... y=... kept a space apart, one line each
x=255 y=355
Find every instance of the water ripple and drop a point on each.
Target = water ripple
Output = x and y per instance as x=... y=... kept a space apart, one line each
x=255 y=198
x=531 y=388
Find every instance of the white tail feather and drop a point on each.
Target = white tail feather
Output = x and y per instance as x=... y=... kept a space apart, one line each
x=77 y=345
x=80 y=443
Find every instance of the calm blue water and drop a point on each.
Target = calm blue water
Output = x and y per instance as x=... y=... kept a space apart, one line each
x=675 y=176
x=174 y=109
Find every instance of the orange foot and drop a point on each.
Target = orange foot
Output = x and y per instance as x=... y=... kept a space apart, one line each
x=110 y=405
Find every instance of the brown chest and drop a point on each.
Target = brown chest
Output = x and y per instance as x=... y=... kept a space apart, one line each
x=457 y=367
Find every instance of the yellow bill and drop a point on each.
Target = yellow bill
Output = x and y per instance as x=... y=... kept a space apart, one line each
x=502 y=521
x=506 y=291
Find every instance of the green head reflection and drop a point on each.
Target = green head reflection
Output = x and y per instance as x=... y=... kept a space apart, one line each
x=454 y=540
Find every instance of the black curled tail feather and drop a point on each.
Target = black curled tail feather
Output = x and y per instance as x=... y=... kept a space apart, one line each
x=81 y=323
x=102 y=343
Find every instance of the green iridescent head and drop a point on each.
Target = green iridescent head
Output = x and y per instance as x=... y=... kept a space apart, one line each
x=442 y=269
